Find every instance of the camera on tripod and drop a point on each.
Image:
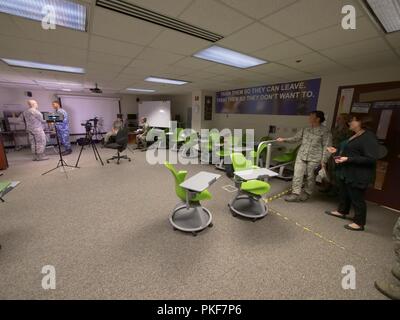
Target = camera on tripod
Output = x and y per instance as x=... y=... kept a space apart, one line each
x=88 y=124
x=53 y=117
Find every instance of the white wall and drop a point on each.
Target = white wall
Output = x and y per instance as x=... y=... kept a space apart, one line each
x=326 y=103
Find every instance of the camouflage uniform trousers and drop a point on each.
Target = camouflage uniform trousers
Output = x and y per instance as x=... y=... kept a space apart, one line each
x=63 y=136
x=302 y=168
x=396 y=238
x=37 y=139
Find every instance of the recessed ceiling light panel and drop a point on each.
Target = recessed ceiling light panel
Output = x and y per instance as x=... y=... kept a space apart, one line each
x=66 y=13
x=140 y=90
x=387 y=12
x=165 y=80
x=228 y=57
x=42 y=66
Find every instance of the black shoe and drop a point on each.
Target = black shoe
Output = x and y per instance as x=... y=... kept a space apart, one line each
x=66 y=152
x=329 y=213
x=347 y=226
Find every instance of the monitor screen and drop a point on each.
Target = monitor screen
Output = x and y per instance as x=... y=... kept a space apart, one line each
x=132 y=116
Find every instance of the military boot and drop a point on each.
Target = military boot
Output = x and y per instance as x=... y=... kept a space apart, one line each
x=292 y=198
x=390 y=290
x=396 y=271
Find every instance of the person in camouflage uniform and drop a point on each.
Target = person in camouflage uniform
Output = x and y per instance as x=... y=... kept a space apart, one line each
x=62 y=128
x=34 y=126
x=390 y=289
x=312 y=153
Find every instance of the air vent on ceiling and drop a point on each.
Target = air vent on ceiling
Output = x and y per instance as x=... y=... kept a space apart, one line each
x=159 y=19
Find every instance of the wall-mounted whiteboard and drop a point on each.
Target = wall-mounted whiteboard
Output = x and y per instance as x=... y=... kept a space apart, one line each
x=158 y=113
x=82 y=108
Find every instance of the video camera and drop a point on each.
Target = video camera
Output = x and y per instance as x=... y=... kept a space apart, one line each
x=88 y=124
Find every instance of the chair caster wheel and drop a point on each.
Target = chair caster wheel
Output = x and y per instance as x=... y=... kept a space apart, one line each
x=255 y=219
x=129 y=160
x=210 y=225
x=175 y=229
x=194 y=234
x=108 y=161
x=234 y=214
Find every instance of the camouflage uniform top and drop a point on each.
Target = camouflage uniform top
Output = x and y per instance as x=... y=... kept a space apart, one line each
x=33 y=119
x=314 y=142
x=62 y=126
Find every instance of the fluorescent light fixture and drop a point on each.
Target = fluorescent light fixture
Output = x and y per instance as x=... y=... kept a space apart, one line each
x=140 y=90
x=55 y=83
x=43 y=66
x=228 y=57
x=164 y=80
x=67 y=90
x=66 y=13
x=387 y=13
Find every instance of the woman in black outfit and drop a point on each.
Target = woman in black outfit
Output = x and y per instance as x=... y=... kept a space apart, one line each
x=356 y=161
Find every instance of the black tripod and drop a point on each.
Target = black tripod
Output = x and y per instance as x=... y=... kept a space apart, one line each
x=61 y=161
x=89 y=140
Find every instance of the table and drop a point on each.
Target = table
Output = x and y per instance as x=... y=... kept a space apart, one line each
x=255 y=174
x=200 y=181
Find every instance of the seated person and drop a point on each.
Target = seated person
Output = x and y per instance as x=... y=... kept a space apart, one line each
x=110 y=136
x=142 y=133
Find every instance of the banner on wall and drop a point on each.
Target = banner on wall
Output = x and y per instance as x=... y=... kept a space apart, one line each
x=294 y=98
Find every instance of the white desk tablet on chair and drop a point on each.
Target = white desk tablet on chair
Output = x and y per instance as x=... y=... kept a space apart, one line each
x=253 y=174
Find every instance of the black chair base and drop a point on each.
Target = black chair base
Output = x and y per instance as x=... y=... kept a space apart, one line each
x=118 y=157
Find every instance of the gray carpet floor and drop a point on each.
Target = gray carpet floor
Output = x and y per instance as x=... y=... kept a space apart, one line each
x=106 y=232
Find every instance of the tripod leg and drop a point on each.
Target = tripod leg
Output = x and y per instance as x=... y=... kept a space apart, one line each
x=79 y=157
x=98 y=154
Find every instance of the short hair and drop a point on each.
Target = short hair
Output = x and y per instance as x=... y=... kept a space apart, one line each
x=320 y=115
x=365 y=120
x=117 y=124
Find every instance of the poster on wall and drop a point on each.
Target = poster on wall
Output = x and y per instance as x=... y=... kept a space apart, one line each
x=208 y=108
x=346 y=98
x=294 y=98
x=360 y=107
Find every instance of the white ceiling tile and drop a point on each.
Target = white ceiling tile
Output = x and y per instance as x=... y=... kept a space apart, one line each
x=170 y=8
x=61 y=36
x=222 y=69
x=100 y=57
x=159 y=56
x=323 y=68
x=123 y=27
x=258 y=8
x=307 y=59
x=201 y=75
x=284 y=50
x=360 y=48
x=193 y=63
x=306 y=16
x=378 y=59
x=114 y=47
x=251 y=38
x=394 y=39
x=214 y=17
x=269 y=68
x=9 y=27
x=336 y=35
x=179 y=42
